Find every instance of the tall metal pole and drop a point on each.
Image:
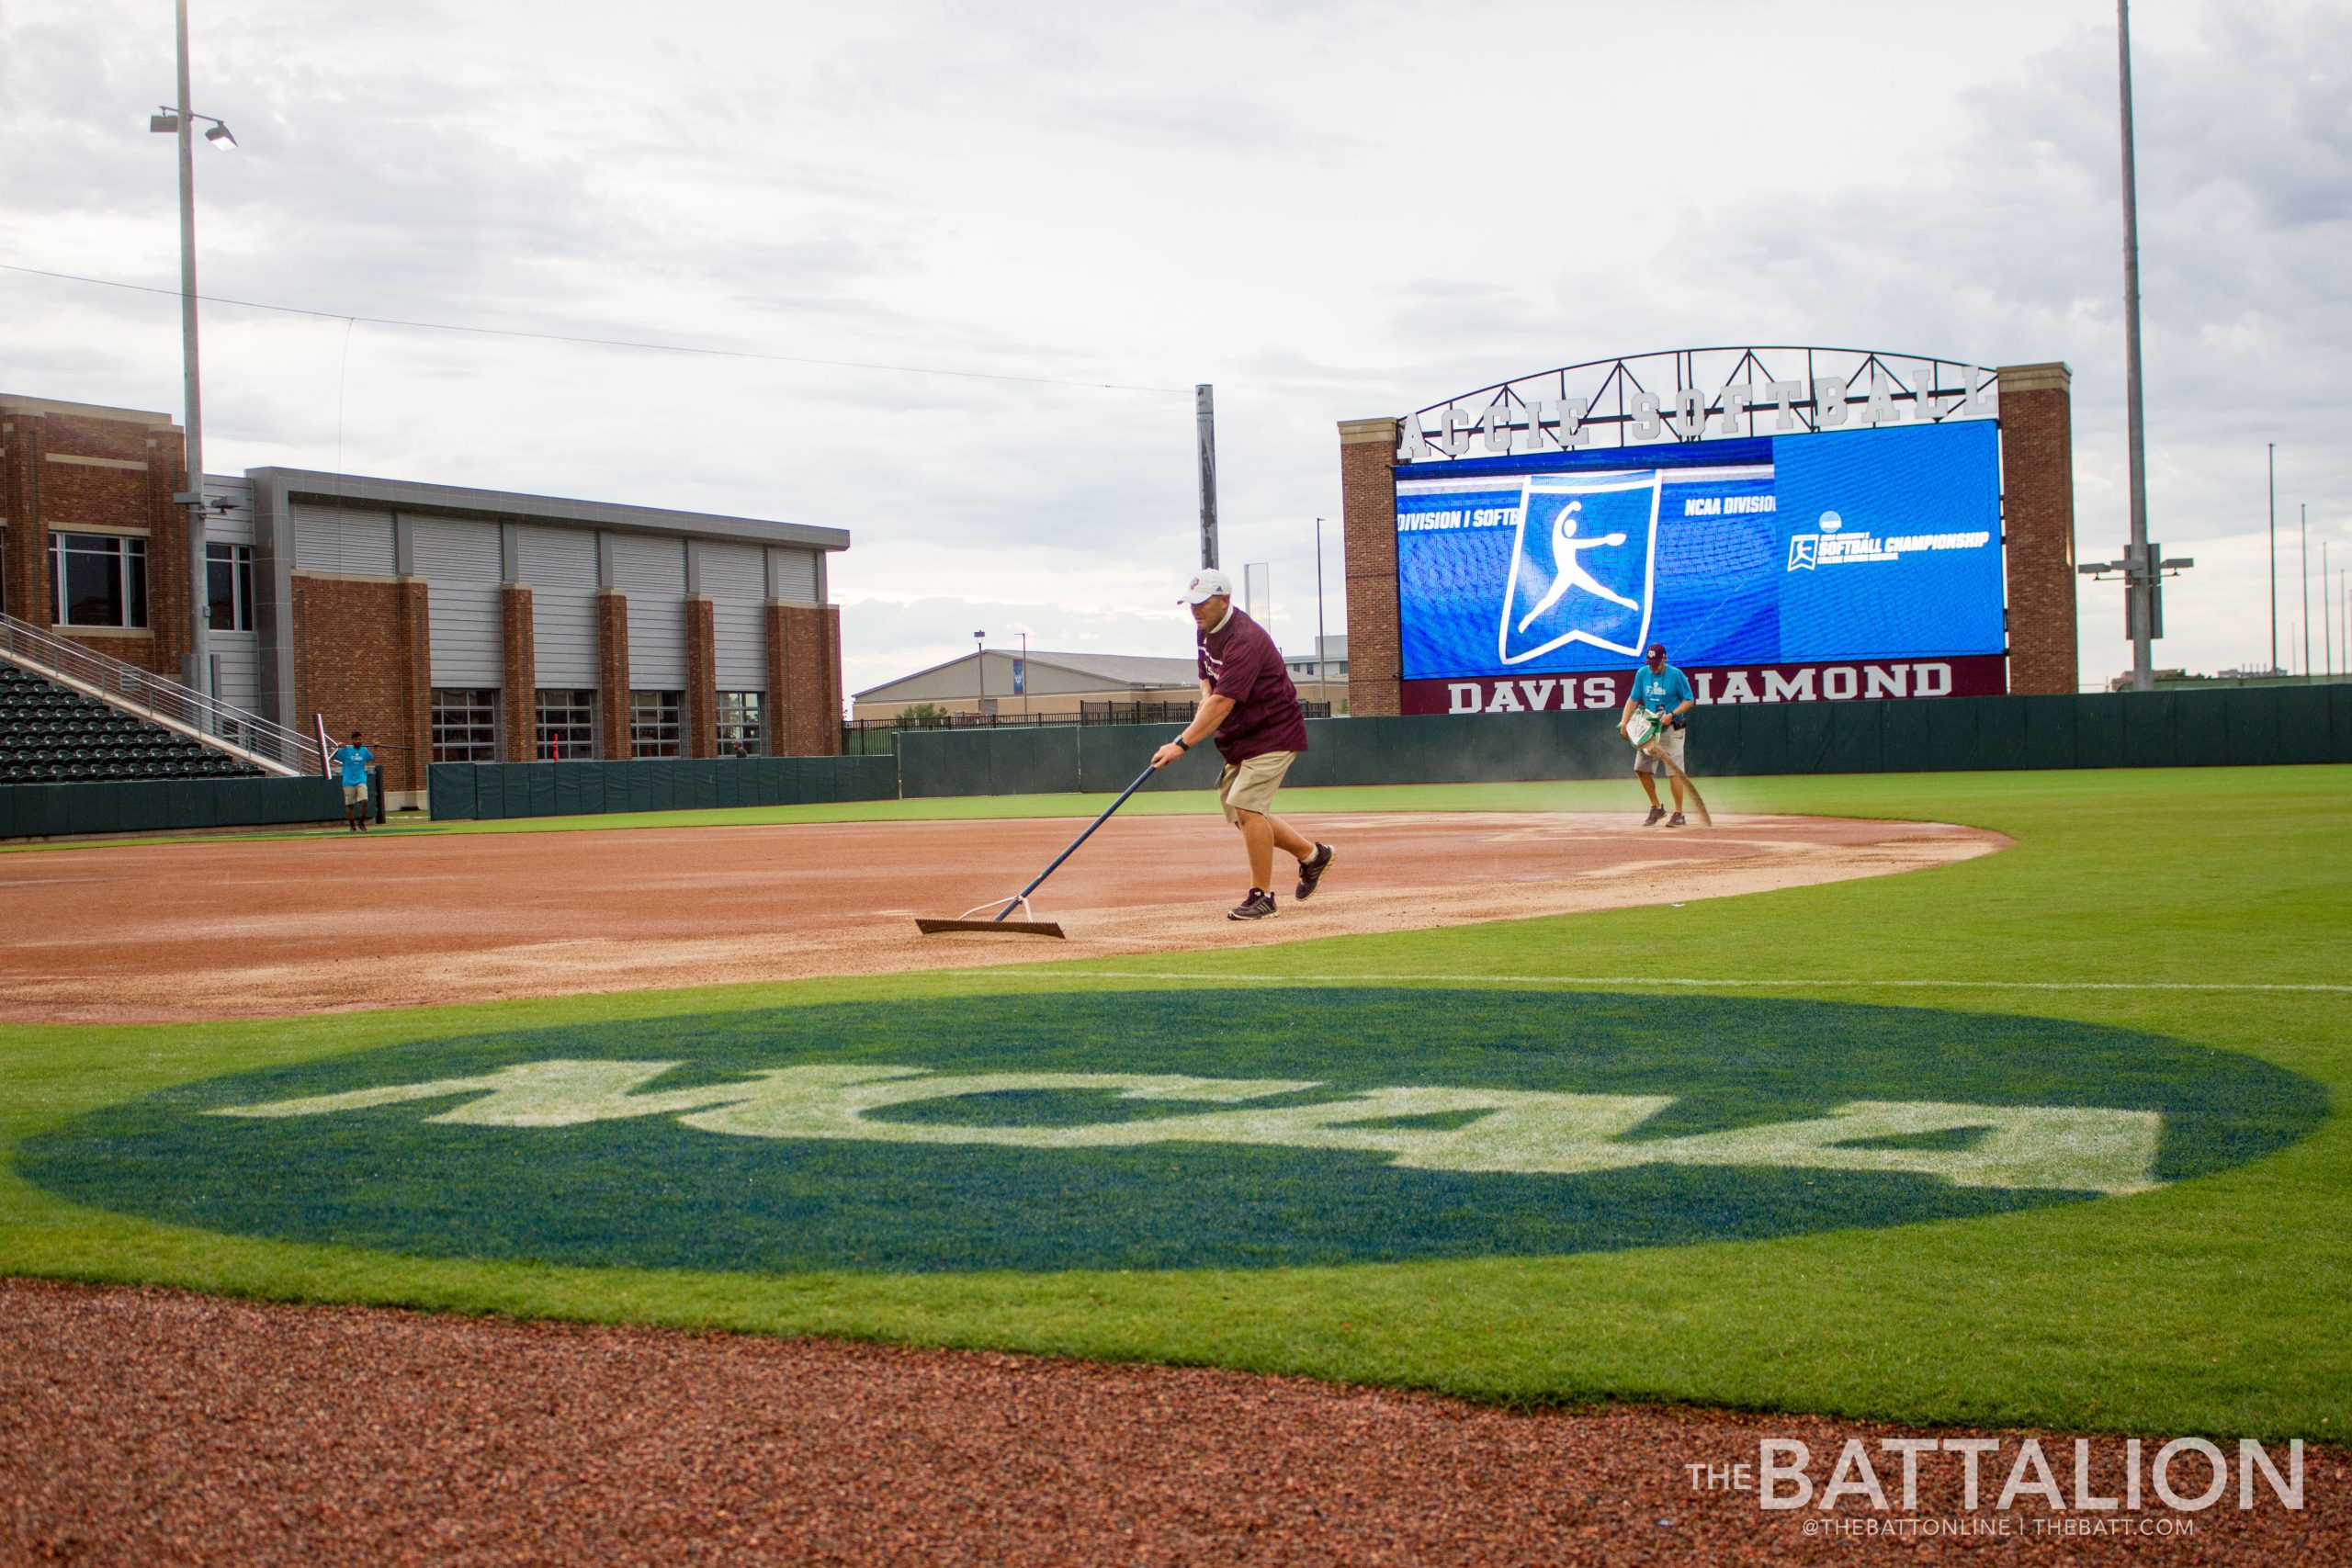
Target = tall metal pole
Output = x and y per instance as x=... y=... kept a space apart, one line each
x=1322 y=672
x=1205 y=424
x=2306 y=533
x=199 y=669
x=2140 y=574
x=2274 y=555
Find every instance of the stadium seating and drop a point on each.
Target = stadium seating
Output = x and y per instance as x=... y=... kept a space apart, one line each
x=52 y=734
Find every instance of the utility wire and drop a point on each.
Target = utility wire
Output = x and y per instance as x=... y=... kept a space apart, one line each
x=604 y=342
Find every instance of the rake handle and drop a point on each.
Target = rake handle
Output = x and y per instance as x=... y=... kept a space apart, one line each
x=1024 y=893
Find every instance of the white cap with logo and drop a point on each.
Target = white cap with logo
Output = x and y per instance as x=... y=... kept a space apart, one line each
x=1207 y=585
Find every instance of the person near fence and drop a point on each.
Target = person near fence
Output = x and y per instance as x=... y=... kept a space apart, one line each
x=1665 y=691
x=351 y=762
x=1248 y=704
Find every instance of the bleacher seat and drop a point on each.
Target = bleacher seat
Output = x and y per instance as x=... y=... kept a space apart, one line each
x=52 y=734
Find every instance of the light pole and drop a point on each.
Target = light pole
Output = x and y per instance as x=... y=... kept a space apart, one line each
x=1020 y=685
x=2140 y=588
x=2273 y=471
x=980 y=642
x=181 y=120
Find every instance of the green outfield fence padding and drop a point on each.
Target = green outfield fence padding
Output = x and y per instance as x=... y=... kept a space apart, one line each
x=2251 y=726
x=488 y=791
x=161 y=805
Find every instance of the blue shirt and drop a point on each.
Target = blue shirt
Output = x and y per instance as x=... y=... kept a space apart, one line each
x=355 y=760
x=1662 y=692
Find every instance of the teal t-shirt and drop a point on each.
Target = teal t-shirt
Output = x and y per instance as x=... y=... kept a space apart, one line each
x=1661 y=693
x=354 y=760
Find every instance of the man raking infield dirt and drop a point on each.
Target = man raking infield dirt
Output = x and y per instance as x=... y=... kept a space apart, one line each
x=1248 y=704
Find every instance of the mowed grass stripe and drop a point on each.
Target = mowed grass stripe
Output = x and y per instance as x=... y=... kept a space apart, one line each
x=2221 y=1305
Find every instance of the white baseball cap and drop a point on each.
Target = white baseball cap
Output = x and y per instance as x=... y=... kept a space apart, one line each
x=1207 y=585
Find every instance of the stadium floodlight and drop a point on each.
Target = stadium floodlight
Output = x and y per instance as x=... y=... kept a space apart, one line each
x=178 y=120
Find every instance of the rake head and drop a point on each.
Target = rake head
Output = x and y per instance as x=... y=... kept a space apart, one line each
x=1018 y=927
x=1001 y=923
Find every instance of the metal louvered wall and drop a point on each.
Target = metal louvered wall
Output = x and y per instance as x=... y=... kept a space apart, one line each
x=341 y=539
x=734 y=577
x=459 y=560
x=652 y=570
x=792 y=574
x=560 y=565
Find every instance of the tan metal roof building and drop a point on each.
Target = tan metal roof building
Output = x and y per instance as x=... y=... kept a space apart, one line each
x=1048 y=682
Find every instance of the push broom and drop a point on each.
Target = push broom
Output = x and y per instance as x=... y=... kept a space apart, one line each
x=1003 y=921
x=1646 y=730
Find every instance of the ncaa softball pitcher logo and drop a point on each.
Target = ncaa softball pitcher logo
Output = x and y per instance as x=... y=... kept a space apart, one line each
x=1584 y=566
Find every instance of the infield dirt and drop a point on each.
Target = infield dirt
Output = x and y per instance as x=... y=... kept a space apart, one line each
x=262 y=928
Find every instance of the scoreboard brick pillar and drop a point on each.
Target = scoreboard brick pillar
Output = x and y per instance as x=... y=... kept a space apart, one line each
x=2038 y=517
x=612 y=674
x=519 y=695
x=1368 y=515
x=702 y=678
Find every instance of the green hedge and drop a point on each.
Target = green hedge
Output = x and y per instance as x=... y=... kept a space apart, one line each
x=466 y=791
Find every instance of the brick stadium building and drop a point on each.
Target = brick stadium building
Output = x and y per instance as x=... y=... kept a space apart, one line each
x=2036 y=447
x=464 y=625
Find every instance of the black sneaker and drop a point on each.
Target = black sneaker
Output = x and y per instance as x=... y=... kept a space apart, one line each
x=1258 y=906
x=1676 y=820
x=1656 y=814
x=1310 y=872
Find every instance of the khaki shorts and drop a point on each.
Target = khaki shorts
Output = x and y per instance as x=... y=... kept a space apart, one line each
x=1671 y=742
x=1250 y=784
x=355 y=794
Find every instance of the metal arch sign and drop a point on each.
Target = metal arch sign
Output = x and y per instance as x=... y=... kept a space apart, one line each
x=1696 y=394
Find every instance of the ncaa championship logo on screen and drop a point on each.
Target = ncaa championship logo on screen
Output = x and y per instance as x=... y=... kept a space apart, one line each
x=1584 y=566
x=1755 y=532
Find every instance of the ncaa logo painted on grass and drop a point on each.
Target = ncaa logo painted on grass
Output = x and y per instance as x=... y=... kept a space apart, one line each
x=1177 y=1129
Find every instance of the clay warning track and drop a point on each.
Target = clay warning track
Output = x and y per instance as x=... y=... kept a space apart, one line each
x=149 y=1426
x=250 y=927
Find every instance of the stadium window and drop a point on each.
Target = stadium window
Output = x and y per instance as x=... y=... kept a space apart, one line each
x=656 y=721
x=465 y=724
x=741 y=733
x=229 y=584
x=101 y=579
x=566 y=724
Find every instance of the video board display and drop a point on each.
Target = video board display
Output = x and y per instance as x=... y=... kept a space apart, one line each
x=1744 y=552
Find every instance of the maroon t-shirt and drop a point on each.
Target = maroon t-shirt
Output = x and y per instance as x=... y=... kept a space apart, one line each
x=1240 y=660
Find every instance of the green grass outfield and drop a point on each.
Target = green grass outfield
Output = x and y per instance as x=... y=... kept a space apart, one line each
x=2214 y=906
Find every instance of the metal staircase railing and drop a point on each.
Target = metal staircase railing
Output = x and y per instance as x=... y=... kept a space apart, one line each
x=258 y=741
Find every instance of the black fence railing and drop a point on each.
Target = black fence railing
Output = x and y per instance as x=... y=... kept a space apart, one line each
x=871 y=737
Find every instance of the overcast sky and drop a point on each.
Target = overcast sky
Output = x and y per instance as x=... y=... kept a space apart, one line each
x=1330 y=210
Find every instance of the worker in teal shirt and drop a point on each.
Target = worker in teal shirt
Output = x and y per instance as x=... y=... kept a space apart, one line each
x=352 y=761
x=1664 y=691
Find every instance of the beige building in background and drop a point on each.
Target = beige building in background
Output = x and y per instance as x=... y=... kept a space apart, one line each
x=1058 y=683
